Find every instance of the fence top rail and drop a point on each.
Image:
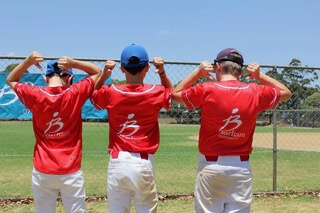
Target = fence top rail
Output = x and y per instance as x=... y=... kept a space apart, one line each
x=167 y=62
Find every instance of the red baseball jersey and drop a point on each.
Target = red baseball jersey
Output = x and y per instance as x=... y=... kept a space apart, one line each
x=133 y=115
x=57 y=124
x=229 y=110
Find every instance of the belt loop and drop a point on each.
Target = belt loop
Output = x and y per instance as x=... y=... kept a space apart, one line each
x=114 y=154
x=144 y=156
x=244 y=157
x=211 y=158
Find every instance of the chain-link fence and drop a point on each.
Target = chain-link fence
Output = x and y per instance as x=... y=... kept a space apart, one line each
x=286 y=141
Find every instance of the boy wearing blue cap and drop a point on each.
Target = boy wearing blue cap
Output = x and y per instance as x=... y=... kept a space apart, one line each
x=134 y=137
x=57 y=124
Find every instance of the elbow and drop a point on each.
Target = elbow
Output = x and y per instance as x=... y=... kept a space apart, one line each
x=176 y=97
x=9 y=80
x=286 y=95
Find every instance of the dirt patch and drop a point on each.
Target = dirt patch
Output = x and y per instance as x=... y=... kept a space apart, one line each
x=288 y=141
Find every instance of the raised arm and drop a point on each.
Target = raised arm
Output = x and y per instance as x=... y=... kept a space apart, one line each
x=202 y=70
x=254 y=71
x=108 y=67
x=65 y=63
x=159 y=64
x=33 y=59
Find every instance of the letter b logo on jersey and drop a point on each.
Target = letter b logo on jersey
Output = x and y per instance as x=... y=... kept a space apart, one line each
x=130 y=126
x=55 y=125
x=233 y=122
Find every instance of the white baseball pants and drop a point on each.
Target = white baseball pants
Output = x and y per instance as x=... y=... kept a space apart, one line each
x=130 y=176
x=46 y=189
x=223 y=186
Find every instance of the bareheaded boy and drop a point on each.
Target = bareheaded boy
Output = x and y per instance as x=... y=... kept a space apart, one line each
x=133 y=110
x=57 y=125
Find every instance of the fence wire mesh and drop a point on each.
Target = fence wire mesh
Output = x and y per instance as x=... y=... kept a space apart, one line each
x=286 y=141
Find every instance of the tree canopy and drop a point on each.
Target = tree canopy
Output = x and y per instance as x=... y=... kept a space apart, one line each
x=10 y=67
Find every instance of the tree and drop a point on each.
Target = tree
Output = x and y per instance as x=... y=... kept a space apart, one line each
x=312 y=102
x=117 y=81
x=301 y=82
x=312 y=114
x=10 y=67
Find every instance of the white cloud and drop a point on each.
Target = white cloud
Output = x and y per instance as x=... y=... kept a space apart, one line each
x=168 y=32
x=11 y=54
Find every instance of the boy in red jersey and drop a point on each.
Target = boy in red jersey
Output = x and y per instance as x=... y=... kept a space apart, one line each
x=229 y=109
x=57 y=124
x=133 y=110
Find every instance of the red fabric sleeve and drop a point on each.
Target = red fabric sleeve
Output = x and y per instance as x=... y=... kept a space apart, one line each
x=27 y=94
x=84 y=87
x=100 y=98
x=192 y=97
x=167 y=98
x=268 y=97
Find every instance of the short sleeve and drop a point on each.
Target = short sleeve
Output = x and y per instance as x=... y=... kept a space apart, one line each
x=167 y=98
x=268 y=97
x=85 y=88
x=192 y=97
x=26 y=94
x=100 y=98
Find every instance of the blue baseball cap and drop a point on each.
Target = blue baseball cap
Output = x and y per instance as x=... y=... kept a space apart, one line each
x=136 y=51
x=52 y=67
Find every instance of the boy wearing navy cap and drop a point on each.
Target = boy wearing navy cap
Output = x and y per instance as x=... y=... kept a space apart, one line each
x=134 y=137
x=229 y=109
x=57 y=124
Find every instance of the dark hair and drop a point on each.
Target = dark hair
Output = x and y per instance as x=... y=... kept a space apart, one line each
x=56 y=74
x=61 y=76
x=134 y=69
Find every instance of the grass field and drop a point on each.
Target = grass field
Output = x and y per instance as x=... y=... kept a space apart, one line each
x=261 y=204
x=175 y=162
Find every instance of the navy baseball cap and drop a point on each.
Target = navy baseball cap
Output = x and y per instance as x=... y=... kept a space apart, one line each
x=230 y=54
x=52 y=67
x=136 y=51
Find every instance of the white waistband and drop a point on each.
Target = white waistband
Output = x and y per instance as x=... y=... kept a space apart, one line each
x=223 y=159
x=131 y=155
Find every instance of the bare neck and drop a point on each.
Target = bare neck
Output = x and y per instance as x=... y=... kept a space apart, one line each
x=227 y=77
x=56 y=81
x=135 y=79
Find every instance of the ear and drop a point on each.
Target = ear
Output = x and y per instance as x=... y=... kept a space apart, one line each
x=122 y=69
x=146 y=68
x=218 y=67
x=46 y=79
x=240 y=72
x=70 y=80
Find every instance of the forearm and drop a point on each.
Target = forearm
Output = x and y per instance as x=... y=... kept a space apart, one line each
x=87 y=67
x=187 y=82
x=165 y=81
x=177 y=97
x=18 y=71
x=102 y=78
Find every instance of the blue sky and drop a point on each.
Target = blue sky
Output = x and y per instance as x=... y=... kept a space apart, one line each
x=268 y=32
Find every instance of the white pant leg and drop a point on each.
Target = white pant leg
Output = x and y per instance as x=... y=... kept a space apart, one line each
x=73 y=193
x=145 y=196
x=223 y=186
x=45 y=192
x=119 y=199
x=130 y=176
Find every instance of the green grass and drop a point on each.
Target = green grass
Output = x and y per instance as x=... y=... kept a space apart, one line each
x=175 y=162
x=270 y=204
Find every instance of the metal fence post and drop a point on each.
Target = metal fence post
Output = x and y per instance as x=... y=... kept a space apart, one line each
x=275 y=150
